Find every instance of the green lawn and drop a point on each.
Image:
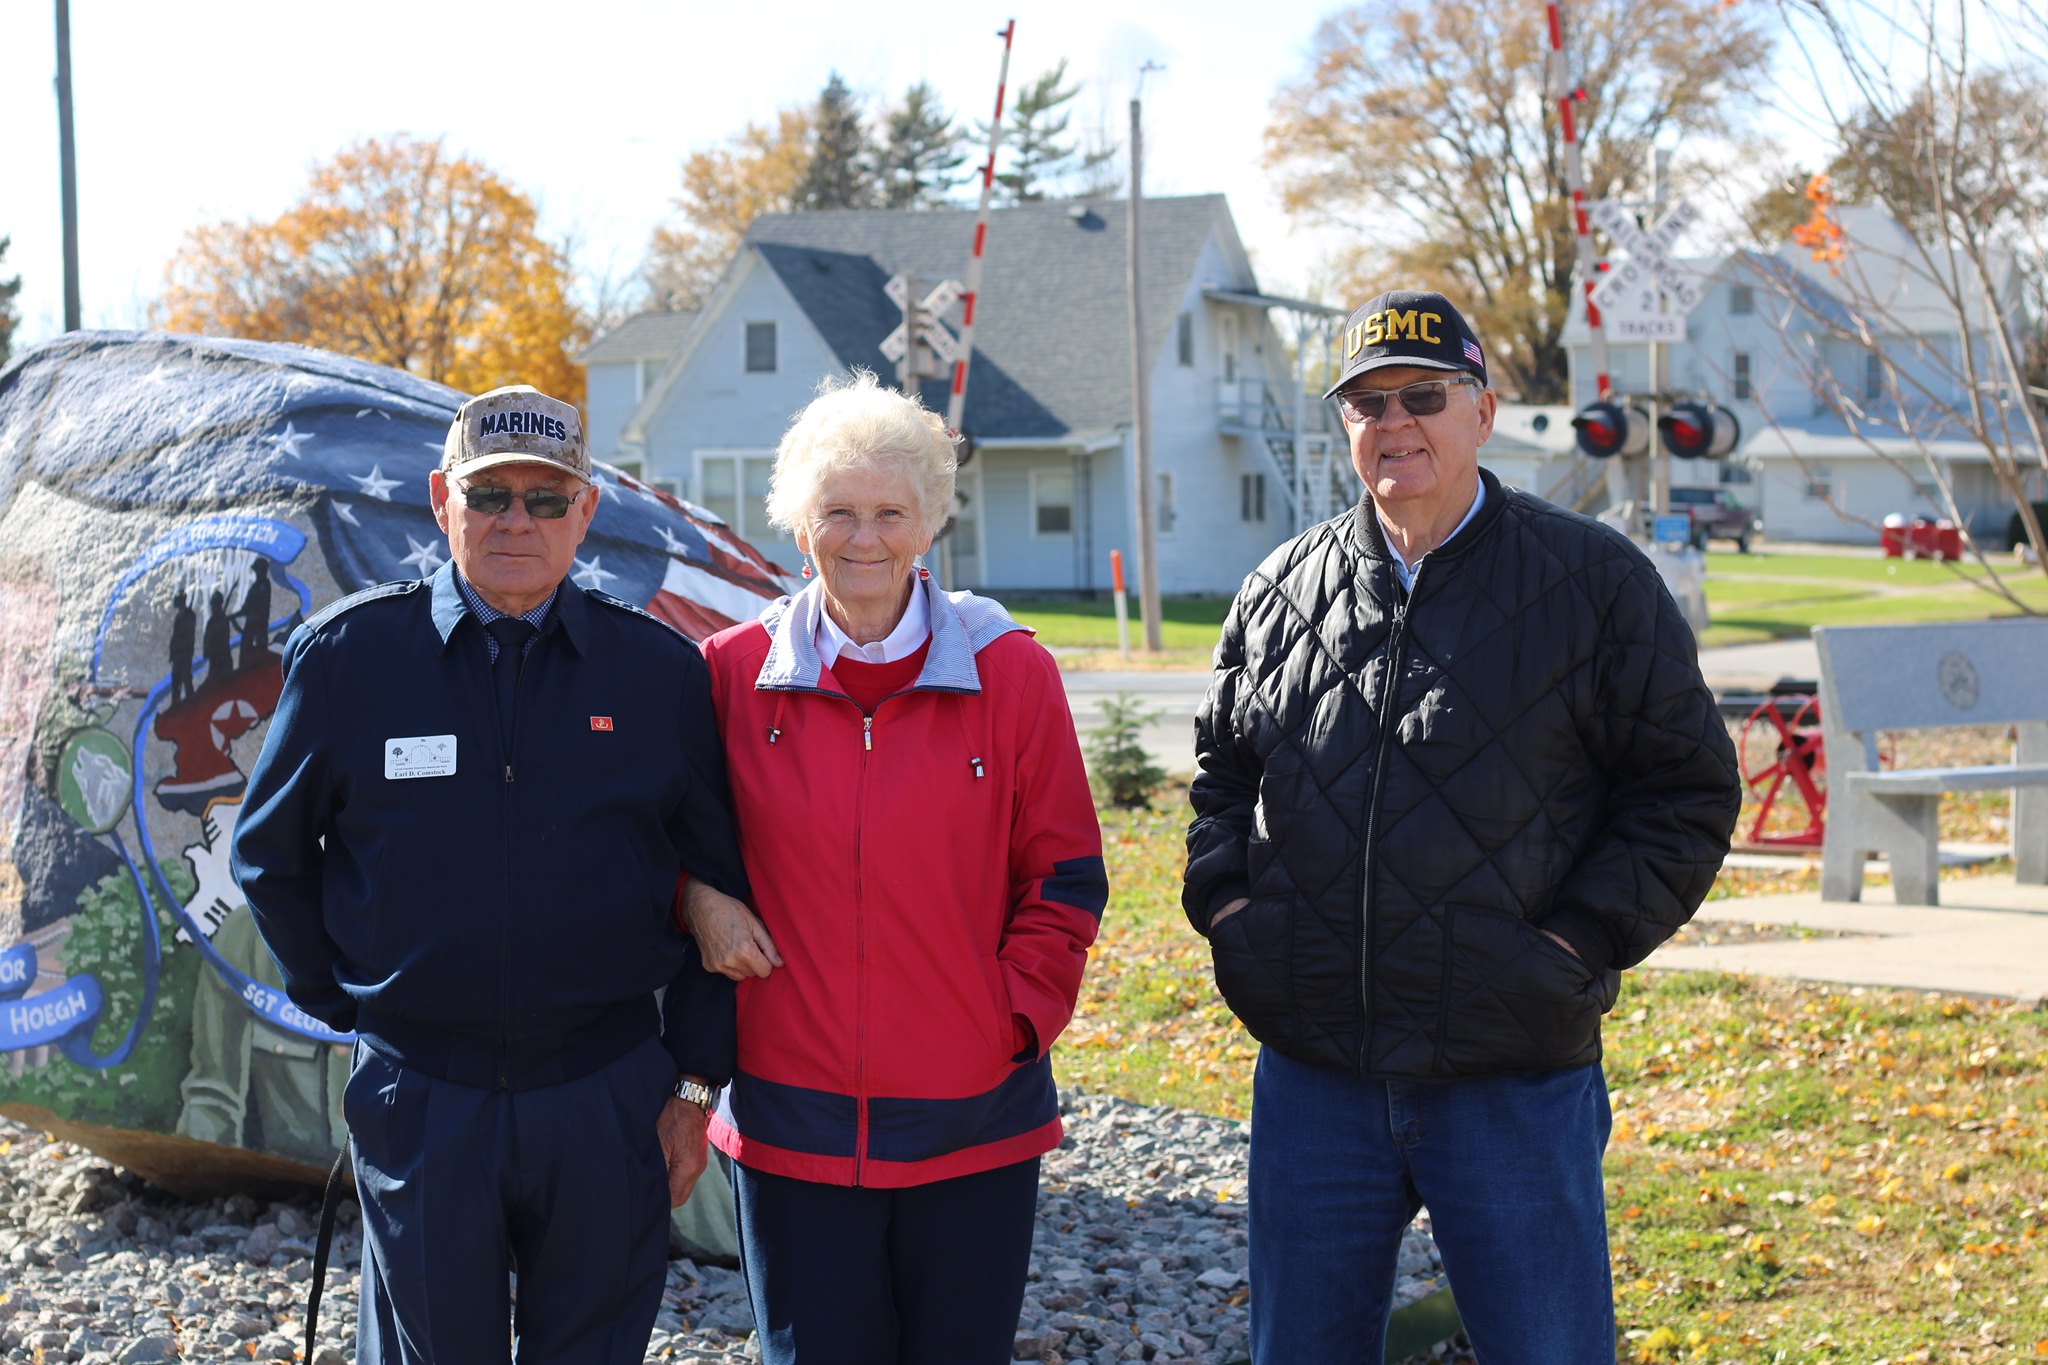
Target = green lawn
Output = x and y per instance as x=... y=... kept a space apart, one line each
x=1798 y=1173
x=1750 y=598
x=1768 y=597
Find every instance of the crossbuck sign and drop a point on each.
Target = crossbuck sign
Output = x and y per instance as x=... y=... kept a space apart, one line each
x=937 y=338
x=1626 y=296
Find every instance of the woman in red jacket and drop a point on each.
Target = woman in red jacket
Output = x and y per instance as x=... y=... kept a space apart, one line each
x=927 y=869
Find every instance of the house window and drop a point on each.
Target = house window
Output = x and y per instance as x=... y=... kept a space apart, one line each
x=735 y=487
x=760 y=348
x=644 y=375
x=1742 y=388
x=1228 y=333
x=1819 y=487
x=1052 y=501
x=1251 y=497
x=1164 y=514
x=1873 y=376
x=1741 y=300
x=1186 y=335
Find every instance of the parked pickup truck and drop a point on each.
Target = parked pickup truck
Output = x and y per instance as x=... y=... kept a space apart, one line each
x=1716 y=515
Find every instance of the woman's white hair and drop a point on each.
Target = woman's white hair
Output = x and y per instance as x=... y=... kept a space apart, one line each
x=855 y=423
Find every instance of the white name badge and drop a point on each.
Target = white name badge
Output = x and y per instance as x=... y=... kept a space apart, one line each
x=420 y=756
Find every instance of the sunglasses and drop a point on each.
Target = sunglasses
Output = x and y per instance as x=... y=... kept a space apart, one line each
x=542 y=504
x=1417 y=400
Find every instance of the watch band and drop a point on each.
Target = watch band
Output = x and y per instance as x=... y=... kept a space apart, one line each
x=704 y=1096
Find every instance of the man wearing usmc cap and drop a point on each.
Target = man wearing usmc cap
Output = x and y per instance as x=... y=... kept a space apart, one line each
x=460 y=842
x=1457 y=770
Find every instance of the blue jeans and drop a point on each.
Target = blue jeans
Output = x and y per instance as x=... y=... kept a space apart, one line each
x=1509 y=1168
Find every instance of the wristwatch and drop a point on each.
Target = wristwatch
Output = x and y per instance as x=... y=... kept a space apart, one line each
x=704 y=1096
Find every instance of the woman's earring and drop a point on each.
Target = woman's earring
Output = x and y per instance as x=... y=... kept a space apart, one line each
x=807 y=565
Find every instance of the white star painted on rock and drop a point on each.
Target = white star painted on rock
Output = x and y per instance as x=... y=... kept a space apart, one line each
x=426 y=558
x=375 y=484
x=288 y=441
x=160 y=375
x=345 y=512
x=670 y=543
x=365 y=412
x=592 y=574
x=62 y=427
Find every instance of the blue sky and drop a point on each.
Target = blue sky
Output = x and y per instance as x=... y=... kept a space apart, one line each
x=189 y=113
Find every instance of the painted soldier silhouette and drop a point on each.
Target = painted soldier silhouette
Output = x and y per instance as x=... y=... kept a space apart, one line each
x=220 y=651
x=255 y=616
x=184 y=636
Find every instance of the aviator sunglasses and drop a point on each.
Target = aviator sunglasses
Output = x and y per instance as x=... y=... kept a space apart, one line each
x=542 y=504
x=1425 y=399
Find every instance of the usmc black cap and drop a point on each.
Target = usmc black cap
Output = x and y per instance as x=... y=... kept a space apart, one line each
x=1408 y=327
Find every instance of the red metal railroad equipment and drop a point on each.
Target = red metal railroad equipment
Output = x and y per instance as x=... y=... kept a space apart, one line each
x=1780 y=743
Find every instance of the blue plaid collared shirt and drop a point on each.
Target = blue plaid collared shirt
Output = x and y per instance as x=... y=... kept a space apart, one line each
x=486 y=613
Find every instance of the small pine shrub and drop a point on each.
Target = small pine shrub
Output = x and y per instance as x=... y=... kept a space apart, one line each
x=1121 y=773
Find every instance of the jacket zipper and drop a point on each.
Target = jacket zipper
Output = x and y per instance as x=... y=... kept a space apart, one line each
x=1372 y=810
x=511 y=731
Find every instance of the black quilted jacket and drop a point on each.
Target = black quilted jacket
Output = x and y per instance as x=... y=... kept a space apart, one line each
x=1408 y=788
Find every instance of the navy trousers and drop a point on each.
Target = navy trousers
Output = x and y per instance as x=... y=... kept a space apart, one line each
x=927 y=1275
x=564 y=1186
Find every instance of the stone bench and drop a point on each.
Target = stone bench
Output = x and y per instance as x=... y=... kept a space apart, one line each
x=1878 y=678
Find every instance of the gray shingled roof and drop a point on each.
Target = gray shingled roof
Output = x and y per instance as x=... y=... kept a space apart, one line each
x=1051 y=333
x=644 y=336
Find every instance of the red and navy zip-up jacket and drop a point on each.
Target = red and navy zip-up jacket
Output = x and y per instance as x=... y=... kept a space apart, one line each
x=928 y=872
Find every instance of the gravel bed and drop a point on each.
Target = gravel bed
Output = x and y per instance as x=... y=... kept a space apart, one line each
x=1140 y=1255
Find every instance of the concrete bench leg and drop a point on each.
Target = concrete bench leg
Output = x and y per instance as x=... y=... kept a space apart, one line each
x=1913 y=844
x=2030 y=836
x=1841 y=866
x=1901 y=827
x=2030 y=812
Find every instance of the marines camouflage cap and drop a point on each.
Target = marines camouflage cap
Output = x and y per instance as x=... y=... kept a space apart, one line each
x=517 y=424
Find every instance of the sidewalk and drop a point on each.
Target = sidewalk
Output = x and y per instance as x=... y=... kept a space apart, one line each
x=1988 y=937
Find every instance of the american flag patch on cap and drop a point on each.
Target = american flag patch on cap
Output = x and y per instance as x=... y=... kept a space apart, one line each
x=1472 y=352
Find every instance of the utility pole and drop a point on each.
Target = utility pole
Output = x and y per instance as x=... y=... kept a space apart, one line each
x=1660 y=455
x=1141 y=397
x=67 y=159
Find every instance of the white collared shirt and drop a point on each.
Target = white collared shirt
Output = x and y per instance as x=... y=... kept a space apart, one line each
x=1405 y=571
x=899 y=643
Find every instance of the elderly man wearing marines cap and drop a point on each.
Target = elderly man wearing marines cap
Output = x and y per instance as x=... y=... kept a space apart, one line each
x=461 y=842
x=1458 y=769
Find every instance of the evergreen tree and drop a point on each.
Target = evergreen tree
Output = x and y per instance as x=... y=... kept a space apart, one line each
x=920 y=152
x=1038 y=155
x=8 y=289
x=841 y=173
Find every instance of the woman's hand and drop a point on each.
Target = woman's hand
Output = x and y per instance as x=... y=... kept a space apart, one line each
x=732 y=941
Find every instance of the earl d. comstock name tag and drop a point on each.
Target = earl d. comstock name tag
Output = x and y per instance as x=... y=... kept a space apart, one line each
x=420 y=756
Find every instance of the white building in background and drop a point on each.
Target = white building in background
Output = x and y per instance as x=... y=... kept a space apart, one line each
x=1049 y=491
x=1823 y=455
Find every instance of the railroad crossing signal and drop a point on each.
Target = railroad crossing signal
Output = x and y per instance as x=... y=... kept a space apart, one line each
x=1609 y=429
x=1696 y=431
x=935 y=346
x=1649 y=260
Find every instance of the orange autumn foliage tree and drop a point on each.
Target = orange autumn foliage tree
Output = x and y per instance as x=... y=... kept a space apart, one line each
x=399 y=254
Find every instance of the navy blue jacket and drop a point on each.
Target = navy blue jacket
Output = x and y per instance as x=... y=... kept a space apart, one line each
x=505 y=926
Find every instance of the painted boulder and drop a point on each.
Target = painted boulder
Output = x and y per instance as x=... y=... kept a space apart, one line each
x=170 y=508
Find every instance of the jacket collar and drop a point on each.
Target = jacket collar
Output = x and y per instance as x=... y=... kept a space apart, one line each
x=1372 y=538
x=571 y=616
x=962 y=626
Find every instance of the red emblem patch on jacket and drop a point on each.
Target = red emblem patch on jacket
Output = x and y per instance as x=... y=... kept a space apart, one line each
x=600 y=722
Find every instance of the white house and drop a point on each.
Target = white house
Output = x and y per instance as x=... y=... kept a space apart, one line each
x=1049 y=492
x=1825 y=443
